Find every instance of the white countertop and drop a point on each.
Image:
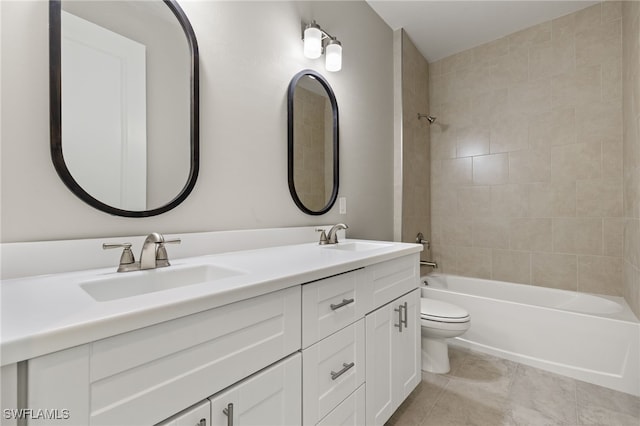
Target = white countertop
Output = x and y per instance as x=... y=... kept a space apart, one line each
x=48 y=313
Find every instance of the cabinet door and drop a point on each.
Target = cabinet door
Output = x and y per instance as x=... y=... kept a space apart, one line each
x=271 y=397
x=393 y=356
x=379 y=333
x=195 y=416
x=406 y=356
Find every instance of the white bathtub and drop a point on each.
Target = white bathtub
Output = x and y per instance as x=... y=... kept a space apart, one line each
x=591 y=338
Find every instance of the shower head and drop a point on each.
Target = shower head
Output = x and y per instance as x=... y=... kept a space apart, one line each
x=431 y=119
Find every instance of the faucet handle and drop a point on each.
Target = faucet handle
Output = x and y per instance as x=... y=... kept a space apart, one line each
x=323 y=236
x=162 y=259
x=126 y=259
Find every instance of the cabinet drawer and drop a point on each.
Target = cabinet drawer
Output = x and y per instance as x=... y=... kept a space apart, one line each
x=147 y=375
x=350 y=412
x=393 y=278
x=331 y=370
x=331 y=304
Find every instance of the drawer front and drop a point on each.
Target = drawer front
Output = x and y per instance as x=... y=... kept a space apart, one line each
x=331 y=304
x=147 y=375
x=393 y=278
x=331 y=370
x=350 y=412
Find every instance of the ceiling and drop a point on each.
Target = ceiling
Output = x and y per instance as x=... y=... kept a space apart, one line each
x=442 y=28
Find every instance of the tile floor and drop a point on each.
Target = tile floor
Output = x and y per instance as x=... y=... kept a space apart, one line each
x=487 y=391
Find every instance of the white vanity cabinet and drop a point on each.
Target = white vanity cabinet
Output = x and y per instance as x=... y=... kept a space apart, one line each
x=352 y=351
x=145 y=376
x=342 y=349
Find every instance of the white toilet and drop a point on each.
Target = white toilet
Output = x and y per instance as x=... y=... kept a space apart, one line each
x=440 y=321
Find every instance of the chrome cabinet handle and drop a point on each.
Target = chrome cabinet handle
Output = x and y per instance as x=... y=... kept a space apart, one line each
x=406 y=315
x=345 y=368
x=229 y=413
x=400 y=322
x=202 y=422
x=344 y=302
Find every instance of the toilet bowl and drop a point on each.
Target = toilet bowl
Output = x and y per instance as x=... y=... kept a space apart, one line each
x=440 y=321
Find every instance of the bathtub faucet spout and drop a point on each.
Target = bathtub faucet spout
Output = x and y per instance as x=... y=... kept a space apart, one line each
x=434 y=265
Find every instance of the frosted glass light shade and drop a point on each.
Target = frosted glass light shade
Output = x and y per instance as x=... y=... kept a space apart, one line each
x=312 y=42
x=333 y=53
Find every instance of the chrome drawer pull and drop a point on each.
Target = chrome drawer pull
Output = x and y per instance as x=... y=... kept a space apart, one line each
x=229 y=413
x=345 y=368
x=344 y=302
x=202 y=422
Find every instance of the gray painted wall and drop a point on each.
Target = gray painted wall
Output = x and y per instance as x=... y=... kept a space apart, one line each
x=249 y=52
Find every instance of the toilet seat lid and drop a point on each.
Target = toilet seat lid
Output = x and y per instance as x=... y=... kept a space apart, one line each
x=437 y=310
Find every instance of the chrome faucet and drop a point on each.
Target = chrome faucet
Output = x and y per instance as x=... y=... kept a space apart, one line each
x=332 y=235
x=149 y=252
x=153 y=254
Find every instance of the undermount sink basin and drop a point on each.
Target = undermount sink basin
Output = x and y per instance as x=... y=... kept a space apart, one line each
x=356 y=246
x=128 y=284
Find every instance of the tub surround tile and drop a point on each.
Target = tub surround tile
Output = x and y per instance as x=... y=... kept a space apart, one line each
x=509 y=132
x=599 y=198
x=474 y=262
x=555 y=270
x=490 y=233
x=576 y=87
x=490 y=169
x=576 y=161
x=599 y=274
x=474 y=201
x=511 y=266
x=597 y=121
x=577 y=235
x=556 y=199
x=613 y=236
x=472 y=140
x=511 y=200
x=553 y=128
x=551 y=100
x=529 y=166
x=612 y=159
x=530 y=234
x=588 y=18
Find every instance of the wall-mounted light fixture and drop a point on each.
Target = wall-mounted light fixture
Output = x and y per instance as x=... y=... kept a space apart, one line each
x=317 y=41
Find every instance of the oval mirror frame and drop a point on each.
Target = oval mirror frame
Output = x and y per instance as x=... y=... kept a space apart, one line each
x=55 y=106
x=290 y=139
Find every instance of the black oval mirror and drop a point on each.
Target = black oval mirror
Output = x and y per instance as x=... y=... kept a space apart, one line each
x=124 y=103
x=312 y=143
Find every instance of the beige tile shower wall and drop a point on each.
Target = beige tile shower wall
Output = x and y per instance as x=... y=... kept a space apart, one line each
x=415 y=145
x=526 y=166
x=631 y=153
